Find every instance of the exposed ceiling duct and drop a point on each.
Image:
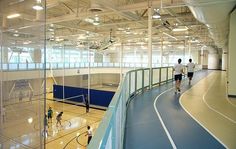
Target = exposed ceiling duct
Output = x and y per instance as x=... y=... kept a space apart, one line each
x=215 y=15
x=95 y=7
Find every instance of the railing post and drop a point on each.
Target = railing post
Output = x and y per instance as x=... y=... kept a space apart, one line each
x=135 y=72
x=143 y=80
x=160 y=76
x=167 y=74
x=129 y=84
x=151 y=79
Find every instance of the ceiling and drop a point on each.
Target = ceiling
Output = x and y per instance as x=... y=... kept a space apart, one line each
x=71 y=23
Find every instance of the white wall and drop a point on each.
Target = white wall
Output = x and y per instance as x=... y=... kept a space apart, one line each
x=204 y=59
x=213 y=61
x=232 y=56
x=34 y=74
x=95 y=79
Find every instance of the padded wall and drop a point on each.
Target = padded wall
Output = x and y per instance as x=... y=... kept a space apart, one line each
x=97 y=97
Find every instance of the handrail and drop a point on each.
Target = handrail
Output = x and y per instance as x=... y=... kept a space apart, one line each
x=39 y=66
x=110 y=133
x=60 y=65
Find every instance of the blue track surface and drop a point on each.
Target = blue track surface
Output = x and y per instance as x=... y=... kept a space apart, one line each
x=144 y=129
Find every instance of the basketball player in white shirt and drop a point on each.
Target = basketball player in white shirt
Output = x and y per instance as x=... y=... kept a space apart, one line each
x=179 y=70
x=190 y=67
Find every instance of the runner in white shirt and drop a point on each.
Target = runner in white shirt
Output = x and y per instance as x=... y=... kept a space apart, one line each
x=190 y=66
x=179 y=69
x=89 y=133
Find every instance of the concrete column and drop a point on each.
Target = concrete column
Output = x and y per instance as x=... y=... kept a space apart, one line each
x=231 y=56
x=4 y=22
x=204 y=59
x=150 y=44
x=36 y=56
x=5 y=55
x=150 y=37
x=199 y=58
x=224 y=60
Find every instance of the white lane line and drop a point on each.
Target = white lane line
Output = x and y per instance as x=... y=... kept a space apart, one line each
x=204 y=100
x=162 y=123
x=230 y=102
x=180 y=101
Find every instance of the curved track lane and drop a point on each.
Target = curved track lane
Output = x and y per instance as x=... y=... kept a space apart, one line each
x=144 y=126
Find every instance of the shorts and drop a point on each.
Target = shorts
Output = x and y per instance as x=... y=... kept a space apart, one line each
x=178 y=77
x=190 y=74
x=49 y=116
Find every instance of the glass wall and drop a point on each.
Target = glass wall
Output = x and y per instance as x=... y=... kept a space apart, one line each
x=22 y=98
x=39 y=56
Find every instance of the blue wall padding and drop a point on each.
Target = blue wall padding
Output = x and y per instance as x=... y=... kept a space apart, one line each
x=97 y=97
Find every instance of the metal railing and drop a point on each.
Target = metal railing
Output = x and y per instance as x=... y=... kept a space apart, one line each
x=40 y=66
x=110 y=133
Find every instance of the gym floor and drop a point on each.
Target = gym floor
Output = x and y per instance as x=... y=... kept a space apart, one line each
x=21 y=123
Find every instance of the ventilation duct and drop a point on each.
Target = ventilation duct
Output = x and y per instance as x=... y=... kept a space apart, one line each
x=95 y=7
x=215 y=15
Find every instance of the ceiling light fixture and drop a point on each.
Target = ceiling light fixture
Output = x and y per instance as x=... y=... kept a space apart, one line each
x=30 y=120
x=180 y=28
x=38 y=5
x=16 y=35
x=27 y=42
x=156 y=14
x=181 y=47
x=13 y=16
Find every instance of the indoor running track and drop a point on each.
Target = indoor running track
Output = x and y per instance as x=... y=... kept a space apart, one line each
x=156 y=119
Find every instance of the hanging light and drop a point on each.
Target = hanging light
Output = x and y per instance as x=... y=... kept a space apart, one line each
x=38 y=5
x=15 y=15
x=96 y=20
x=180 y=28
x=156 y=14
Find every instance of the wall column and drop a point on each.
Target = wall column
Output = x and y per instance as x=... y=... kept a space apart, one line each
x=232 y=55
x=150 y=44
x=5 y=55
x=224 y=60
